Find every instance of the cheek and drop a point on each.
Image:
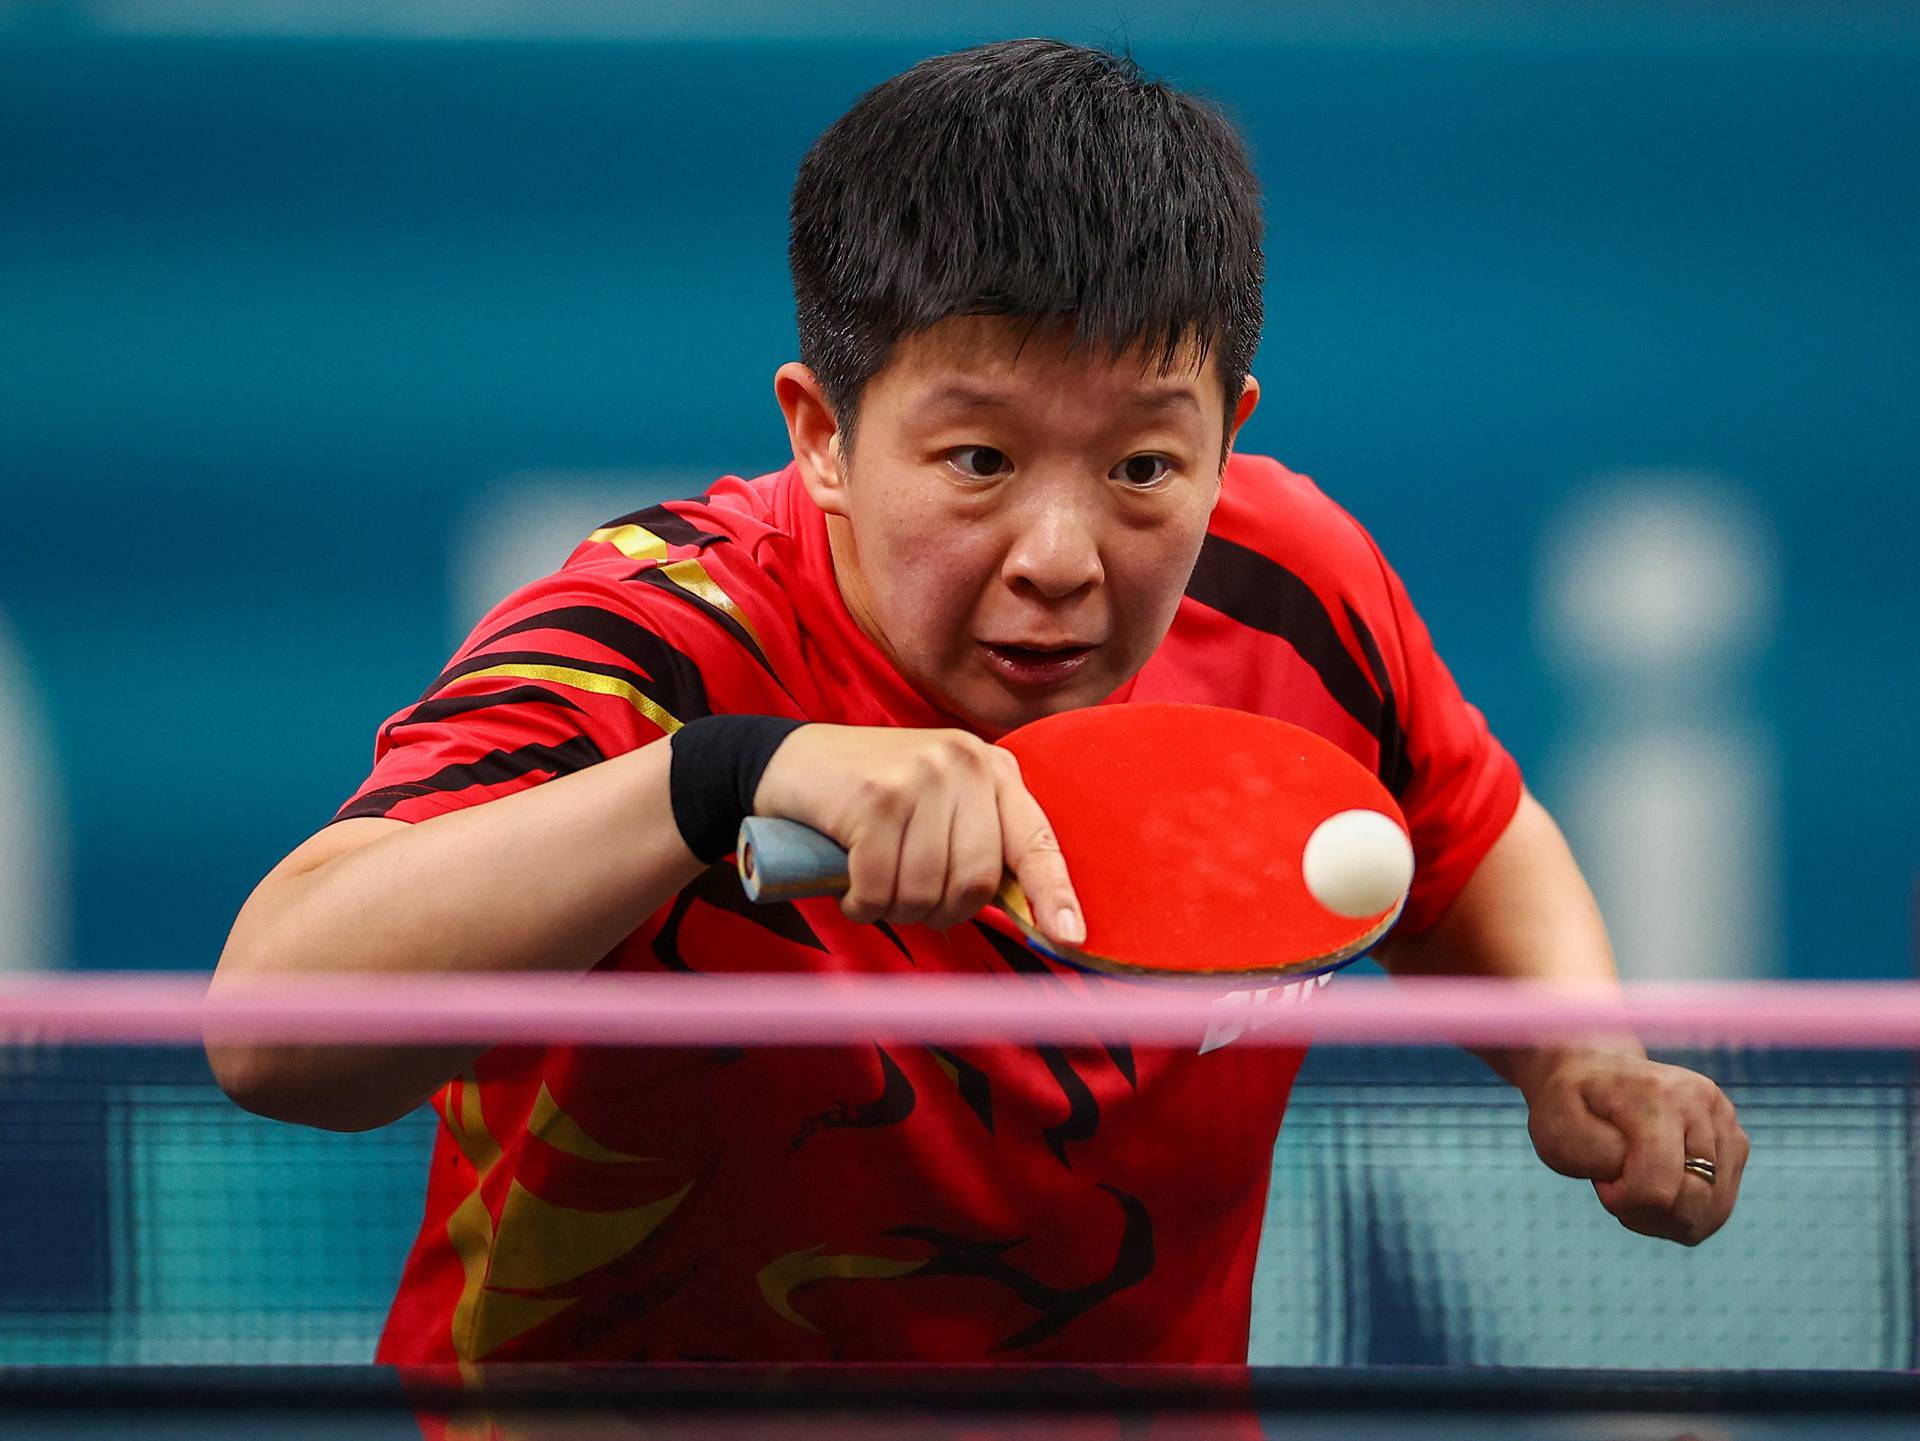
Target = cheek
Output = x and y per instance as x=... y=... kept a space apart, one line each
x=1146 y=576
x=930 y=580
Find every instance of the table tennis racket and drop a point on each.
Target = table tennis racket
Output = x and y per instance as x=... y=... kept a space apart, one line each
x=1201 y=841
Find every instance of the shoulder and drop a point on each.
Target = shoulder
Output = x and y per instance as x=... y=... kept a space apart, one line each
x=1282 y=516
x=678 y=586
x=1288 y=612
x=727 y=529
x=1281 y=557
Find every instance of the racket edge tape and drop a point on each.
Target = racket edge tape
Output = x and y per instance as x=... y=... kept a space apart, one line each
x=1013 y=900
x=781 y=860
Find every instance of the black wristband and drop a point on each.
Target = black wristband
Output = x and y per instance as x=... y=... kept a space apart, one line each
x=715 y=768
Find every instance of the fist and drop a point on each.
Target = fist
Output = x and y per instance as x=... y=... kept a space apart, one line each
x=1628 y=1125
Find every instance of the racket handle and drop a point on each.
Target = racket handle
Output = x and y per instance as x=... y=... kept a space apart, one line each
x=785 y=861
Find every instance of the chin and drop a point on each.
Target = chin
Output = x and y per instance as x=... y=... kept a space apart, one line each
x=991 y=708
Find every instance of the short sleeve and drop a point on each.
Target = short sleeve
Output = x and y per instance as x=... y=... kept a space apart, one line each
x=1457 y=785
x=566 y=672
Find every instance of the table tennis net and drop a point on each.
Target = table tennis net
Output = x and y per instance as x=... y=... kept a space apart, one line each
x=148 y=1220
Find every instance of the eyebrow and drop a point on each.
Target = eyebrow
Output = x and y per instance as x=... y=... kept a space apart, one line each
x=968 y=397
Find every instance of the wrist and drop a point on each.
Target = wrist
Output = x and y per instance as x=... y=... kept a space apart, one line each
x=716 y=768
x=1530 y=1069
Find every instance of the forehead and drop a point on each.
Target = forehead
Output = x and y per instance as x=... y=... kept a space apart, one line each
x=987 y=356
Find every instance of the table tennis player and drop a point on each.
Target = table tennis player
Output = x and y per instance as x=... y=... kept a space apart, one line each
x=1029 y=288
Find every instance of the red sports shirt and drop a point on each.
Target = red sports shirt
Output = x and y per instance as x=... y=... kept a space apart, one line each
x=1029 y=1203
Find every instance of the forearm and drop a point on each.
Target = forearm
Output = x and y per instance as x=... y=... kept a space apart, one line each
x=1527 y=913
x=550 y=878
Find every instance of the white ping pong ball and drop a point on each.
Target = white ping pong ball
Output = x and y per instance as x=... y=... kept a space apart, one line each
x=1358 y=863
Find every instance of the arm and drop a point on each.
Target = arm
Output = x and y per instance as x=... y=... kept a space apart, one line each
x=1598 y=1109
x=555 y=876
x=550 y=878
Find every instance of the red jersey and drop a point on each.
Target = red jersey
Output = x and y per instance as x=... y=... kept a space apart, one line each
x=899 y=1202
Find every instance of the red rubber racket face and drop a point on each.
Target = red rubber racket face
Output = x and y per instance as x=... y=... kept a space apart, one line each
x=1183 y=828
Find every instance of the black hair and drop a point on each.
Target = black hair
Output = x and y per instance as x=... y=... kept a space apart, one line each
x=1031 y=179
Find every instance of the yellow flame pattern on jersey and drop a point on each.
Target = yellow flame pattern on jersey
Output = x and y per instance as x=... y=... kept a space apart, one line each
x=781 y=1277
x=537 y=1244
x=563 y=1133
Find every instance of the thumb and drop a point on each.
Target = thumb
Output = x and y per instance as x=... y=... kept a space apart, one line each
x=1572 y=1140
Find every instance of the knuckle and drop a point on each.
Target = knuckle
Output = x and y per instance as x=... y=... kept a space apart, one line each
x=1699 y=1228
x=1043 y=842
x=1646 y=1106
x=885 y=793
x=974 y=894
x=957 y=749
x=1565 y=1091
x=923 y=770
x=1660 y=1195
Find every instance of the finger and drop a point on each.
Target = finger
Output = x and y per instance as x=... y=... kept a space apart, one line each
x=922 y=878
x=1734 y=1141
x=974 y=860
x=1032 y=853
x=1730 y=1163
x=1694 y=1207
x=1650 y=1174
x=873 y=863
x=1574 y=1141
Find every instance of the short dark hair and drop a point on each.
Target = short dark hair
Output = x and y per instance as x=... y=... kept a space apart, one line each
x=1036 y=180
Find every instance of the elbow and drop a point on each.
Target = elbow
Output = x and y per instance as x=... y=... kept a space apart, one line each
x=250 y=1078
x=283 y=1084
x=304 y=1085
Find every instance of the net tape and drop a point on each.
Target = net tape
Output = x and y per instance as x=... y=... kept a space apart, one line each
x=781 y=1009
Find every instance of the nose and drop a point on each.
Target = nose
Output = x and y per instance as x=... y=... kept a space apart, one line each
x=1055 y=549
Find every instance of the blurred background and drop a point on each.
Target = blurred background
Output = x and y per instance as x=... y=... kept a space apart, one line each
x=322 y=323
x=325 y=322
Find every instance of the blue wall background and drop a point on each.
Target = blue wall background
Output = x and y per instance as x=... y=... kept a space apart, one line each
x=277 y=310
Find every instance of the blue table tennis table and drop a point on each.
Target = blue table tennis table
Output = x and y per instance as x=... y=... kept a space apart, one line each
x=979 y=1403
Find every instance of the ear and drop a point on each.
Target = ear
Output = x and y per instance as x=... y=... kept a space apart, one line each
x=814 y=434
x=1249 y=400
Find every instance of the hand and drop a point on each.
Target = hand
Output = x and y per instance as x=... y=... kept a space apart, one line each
x=930 y=819
x=1626 y=1124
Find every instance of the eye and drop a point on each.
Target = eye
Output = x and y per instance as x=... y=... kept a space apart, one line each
x=979 y=462
x=1143 y=471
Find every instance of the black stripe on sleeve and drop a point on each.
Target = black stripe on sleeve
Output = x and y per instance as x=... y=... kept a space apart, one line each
x=1396 y=766
x=684 y=703
x=449 y=706
x=669 y=526
x=569 y=756
x=1264 y=595
x=654 y=577
x=624 y=637
x=677 y=531
x=664 y=674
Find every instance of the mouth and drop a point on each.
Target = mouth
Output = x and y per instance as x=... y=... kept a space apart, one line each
x=1036 y=665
